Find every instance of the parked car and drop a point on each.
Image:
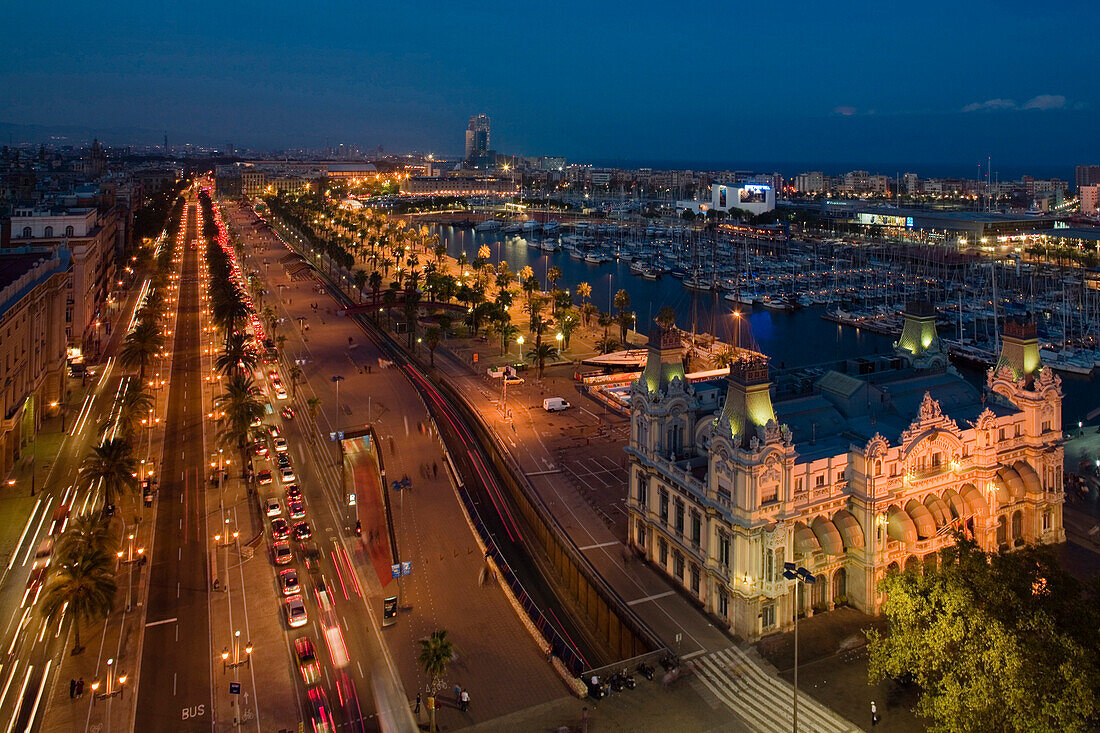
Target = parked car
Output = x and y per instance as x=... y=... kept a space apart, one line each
x=288 y=582
x=306 y=654
x=274 y=508
x=295 y=609
x=513 y=380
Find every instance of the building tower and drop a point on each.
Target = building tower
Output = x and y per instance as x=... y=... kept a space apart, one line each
x=477 y=138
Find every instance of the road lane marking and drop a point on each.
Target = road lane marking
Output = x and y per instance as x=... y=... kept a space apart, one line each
x=162 y=621
x=19 y=698
x=37 y=530
x=602 y=544
x=654 y=597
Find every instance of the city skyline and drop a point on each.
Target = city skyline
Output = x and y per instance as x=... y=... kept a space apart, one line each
x=831 y=89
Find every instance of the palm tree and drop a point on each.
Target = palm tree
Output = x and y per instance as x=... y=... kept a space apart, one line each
x=134 y=405
x=622 y=300
x=84 y=587
x=585 y=291
x=606 y=344
x=237 y=357
x=228 y=307
x=436 y=652
x=587 y=311
x=724 y=358
x=666 y=317
x=567 y=322
x=140 y=346
x=313 y=404
x=552 y=276
x=625 y=319
x=508 y=334
x=240 y=408
x=432 y=336
x=540 y=353
x=85 y=533
x=360 y=282
x=295 y=375
x=113 y=464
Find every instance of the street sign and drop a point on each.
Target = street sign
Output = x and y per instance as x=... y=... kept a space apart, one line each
x=339 y=434
x=406 y=567
x=234 y=688
x=332 y=437
x=395 y=570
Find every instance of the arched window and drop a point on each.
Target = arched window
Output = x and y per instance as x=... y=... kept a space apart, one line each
x=48 y=232
x=1002 y=530
x=1017 y=525
x=26 y=232
x=878 y=468
x=68 y=231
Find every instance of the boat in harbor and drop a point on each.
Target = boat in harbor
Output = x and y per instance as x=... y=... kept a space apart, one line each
x=489 y=225
x=1073 y=361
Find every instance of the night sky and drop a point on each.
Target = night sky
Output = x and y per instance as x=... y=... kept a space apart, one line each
x=802 y=83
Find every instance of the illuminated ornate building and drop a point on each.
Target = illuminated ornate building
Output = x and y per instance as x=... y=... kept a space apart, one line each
x=850 y=470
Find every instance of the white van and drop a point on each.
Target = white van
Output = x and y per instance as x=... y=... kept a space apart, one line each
x=554 y=404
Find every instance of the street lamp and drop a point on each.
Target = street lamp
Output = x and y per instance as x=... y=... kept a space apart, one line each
x=238 y=659
x=113 y=685
x=336 y=379
x=801 y=576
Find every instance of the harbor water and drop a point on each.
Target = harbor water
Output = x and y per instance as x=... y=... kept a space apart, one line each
x=791 y=339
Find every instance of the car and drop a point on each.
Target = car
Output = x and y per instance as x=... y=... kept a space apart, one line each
x=555 y=404
x=293 y=491
x=287 y=475
x=295 y=609
x=280 y=528
x=302 y=531
x=34 y=586
x=260 y=449
x=273 y=507
x=296 y=509
x=273 y=375
x=283 y=460
x=280 y=445
x=320 y=712
x=60 y=519
x=288 y=582
x=306 y=655
x=255 y=391
x=256 y=422
x=287 y=413
x=513 y=380
x=281 y=553
x=280 y=393
x=263 y=477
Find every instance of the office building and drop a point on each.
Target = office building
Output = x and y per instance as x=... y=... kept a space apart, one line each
x=477 y=139
x=1086 y=175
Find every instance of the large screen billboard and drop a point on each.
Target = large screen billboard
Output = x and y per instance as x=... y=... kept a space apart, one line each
x=754 y=195
x=884 y=220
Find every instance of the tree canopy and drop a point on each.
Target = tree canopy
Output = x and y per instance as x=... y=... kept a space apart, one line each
x=1003 y=642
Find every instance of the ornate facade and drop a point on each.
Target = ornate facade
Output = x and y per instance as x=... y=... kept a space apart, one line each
x=856 y=470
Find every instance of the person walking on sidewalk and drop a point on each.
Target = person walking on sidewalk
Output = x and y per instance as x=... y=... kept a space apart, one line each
x=80 y=687
x=465 y=700
x=72 y=689
x=416 y=710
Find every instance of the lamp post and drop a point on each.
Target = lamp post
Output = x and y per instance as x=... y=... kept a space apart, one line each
x=801 y=576
x=336 y=379
x=113 y=685
x=238 y=660
x=129 y=562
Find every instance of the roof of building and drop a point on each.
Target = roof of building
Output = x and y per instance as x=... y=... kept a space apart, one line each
x=14 y=266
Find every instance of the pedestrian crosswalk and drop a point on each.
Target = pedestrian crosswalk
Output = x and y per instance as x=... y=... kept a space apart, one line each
x=763 y=700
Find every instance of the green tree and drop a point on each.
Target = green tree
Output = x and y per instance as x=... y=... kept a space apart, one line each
x=436 y=652
x=113 y=464
x=1003 y=642
x=134 y=405
x=84 y=587
x=237 y=357
x=432 y=337
x=239 y=407
x=140 y=346
x=508 y=335
x=540 y=353
x=606 y=344
x=666 y=317
x=85 y=533
x=360 y=278
x=375 y=287
x=313 y=404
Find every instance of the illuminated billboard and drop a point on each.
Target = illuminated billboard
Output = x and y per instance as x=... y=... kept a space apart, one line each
x=883 y=220
x=754 y=194
x=722 y=197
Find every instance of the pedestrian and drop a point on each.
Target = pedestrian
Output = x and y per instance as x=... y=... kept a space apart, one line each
x=416 y=710
x=72 y=688
x=874 y=714
x=465 y=701
x=80 y=687
x=458 y=695
x=435 y=469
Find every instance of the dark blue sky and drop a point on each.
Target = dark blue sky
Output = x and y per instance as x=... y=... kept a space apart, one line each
x=862 y=83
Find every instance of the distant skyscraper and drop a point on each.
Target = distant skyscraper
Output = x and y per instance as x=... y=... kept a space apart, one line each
x=477 y=138
x=1087 y=175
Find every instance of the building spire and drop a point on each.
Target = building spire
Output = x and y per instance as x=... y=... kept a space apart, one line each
x=748 y=408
